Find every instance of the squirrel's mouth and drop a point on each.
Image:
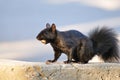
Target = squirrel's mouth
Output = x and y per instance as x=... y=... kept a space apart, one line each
x=43 y=41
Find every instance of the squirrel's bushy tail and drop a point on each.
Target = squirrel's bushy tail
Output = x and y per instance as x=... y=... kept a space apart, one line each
x=105 y=44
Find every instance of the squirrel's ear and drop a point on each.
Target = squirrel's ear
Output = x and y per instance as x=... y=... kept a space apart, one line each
x=47 y=25
x=53 y=27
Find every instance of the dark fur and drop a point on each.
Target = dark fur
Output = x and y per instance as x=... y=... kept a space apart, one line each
x=79 y=47
x=105 y=44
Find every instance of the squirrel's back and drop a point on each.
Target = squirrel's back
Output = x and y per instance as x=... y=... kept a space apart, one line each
x=72 y=33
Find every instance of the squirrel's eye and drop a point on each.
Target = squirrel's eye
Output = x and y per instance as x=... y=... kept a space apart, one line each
x=46 y=32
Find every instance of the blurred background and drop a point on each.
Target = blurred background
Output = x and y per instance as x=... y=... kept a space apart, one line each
x=22 y=20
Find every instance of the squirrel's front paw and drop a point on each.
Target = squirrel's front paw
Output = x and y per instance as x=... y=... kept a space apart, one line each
x=49 y=61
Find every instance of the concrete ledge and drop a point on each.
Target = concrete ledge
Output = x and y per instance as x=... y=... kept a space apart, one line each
x=17 y=70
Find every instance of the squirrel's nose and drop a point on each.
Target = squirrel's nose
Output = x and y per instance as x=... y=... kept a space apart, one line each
x=37 y=37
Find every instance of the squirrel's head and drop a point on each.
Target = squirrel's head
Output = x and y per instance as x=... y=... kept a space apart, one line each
x=48 y=34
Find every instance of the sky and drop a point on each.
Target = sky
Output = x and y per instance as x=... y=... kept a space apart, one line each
x=22 y=20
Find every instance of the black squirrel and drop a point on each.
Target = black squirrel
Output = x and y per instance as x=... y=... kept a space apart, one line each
x=80 y=48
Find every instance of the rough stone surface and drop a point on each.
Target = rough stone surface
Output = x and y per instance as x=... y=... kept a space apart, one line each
x=17 y=70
